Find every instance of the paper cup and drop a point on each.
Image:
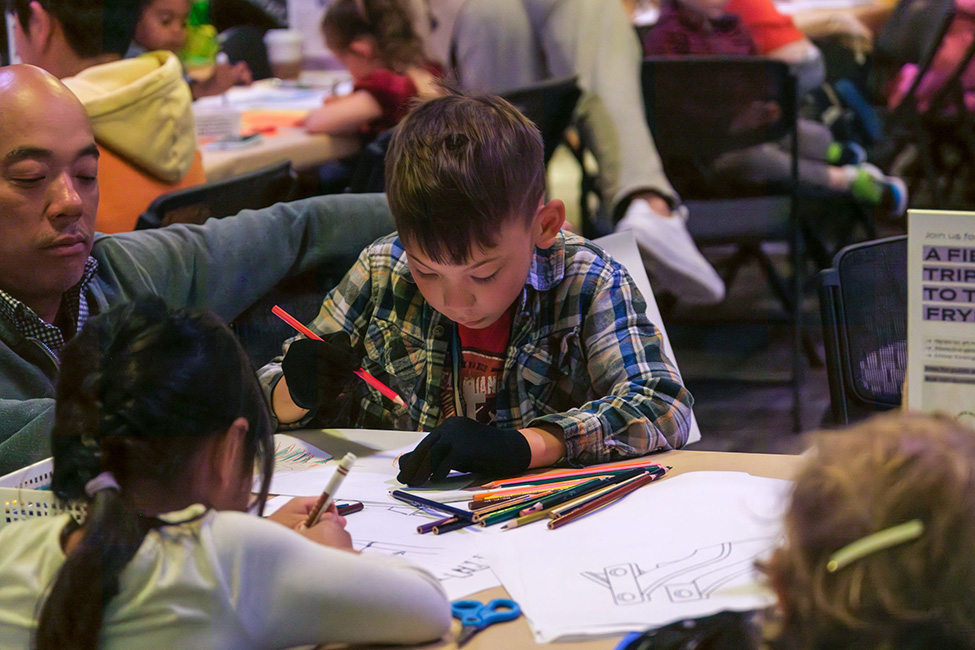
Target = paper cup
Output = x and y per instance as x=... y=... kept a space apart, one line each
x=284 y=52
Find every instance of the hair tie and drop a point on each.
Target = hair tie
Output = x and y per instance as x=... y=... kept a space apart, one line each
x=879 y=541
x=104 y=481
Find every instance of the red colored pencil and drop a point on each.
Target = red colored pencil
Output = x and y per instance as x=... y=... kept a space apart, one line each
x=361 y=372
x=610 y=497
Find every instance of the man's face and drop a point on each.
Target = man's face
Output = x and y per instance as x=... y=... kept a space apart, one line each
x=48 y=192
x=477 y=292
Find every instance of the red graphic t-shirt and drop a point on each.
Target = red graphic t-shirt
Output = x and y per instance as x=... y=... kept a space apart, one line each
x=481 y=365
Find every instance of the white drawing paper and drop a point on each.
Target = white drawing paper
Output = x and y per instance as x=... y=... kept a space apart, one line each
x=681 y=548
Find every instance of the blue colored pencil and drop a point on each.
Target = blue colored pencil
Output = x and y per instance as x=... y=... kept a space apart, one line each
x=420 y=502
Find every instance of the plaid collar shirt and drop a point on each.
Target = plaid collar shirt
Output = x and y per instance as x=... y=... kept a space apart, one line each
x=31 y=326
x=582 y=355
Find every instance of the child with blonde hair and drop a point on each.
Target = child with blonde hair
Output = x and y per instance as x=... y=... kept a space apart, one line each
x=879 y=535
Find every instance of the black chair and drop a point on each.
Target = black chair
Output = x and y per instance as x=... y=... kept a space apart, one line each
x=863 y=304
x=550 y=105
x=699 y=107
x=246 y=43
x=253 y=190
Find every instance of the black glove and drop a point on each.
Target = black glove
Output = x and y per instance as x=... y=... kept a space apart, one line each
x=467 y=446
x=318 y=372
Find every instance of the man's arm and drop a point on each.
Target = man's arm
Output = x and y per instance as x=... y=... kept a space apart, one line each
x=25 y=432
x=227 y=264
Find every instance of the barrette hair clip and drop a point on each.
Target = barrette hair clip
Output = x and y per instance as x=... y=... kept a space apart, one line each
x=879 y=541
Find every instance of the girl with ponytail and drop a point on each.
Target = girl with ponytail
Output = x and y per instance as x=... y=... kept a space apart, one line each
x=159 y=425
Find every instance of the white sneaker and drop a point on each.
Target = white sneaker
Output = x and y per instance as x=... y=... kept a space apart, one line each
x=670 y=255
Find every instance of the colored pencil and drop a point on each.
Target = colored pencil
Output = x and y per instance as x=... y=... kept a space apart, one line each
x=420 y=502
x=449 y=526
x=362 y=373
x=613 y=485
x=564 y=496
x=329 y=492
x=429 y=526
x=529 y=518
x=520 y=502
x=528 y=489
x=570 y=473
x=613 y=496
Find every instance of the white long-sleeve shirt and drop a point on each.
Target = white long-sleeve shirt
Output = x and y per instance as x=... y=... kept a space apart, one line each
x=227 y=580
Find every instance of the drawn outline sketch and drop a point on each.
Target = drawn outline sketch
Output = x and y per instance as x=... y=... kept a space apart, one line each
x=691 y=578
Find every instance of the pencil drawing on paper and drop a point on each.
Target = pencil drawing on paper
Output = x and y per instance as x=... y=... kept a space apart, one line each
x=693 y=577
x=291 y=456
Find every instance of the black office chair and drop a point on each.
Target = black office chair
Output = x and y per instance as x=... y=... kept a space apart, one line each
x=698 y=108
x=863 y=304
x=253 y=190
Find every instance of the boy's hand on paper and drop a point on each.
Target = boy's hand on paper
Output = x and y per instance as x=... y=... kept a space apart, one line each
x=318 y=372
x=466 y=446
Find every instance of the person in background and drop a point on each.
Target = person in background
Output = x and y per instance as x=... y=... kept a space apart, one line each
x=162 y=26
x=55 y=271
x=140 y=108
x=499 y=45
x=375 y=41
x=704 y=27
x=167 y=556
x=875 y=557
x=517 y=344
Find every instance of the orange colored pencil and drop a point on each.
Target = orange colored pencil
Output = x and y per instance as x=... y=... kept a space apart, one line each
x=362 y=373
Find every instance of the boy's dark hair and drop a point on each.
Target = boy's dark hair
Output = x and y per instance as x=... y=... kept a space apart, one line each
x=458 y=168
x=91 y=27
x=142 y=389
x=386 y=21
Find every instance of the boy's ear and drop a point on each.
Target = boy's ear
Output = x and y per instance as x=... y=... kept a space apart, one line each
x=364 y=47
x=548 y=222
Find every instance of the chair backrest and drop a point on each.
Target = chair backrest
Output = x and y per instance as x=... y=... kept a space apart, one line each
x=863 y=304
x=246 y=43
x=253 y=190
x=550 y=105
x=698 y=107
x=909 y=35
x=622 y=246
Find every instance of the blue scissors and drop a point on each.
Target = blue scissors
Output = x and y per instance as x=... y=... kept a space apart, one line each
x=475 y=615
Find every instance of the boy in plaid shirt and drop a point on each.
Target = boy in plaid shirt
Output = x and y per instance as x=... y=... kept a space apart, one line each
x=515 y=344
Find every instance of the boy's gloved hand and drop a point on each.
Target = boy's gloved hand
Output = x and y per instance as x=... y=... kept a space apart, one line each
x=318 y=371
x=467 y=446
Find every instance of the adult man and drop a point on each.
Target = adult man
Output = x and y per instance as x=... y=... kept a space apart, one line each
x=55 y=271
x=593 y=40
x=140 y=107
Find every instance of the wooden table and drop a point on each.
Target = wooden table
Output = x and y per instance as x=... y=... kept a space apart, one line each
x=304 y=150
x=280 y=107
x=517 y=634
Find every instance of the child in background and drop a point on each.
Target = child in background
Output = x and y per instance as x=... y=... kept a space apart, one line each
x=162 y=26
x=877 y=552
x=159 y=423
x=375 y=41
x=703 y=27
x=517 y=344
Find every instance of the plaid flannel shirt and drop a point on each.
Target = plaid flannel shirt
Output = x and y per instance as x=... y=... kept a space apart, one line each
x=582 y=355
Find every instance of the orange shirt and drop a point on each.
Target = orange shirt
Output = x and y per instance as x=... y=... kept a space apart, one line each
x=769 y=28
x=125 y=191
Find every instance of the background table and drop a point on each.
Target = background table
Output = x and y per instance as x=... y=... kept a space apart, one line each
x=517 y=634
x=272 y=102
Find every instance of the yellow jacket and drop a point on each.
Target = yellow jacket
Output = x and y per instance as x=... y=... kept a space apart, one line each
x=141 y=113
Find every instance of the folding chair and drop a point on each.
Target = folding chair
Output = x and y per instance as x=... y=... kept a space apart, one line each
x=863 y=304
x=253 y=190
x=698 y=107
